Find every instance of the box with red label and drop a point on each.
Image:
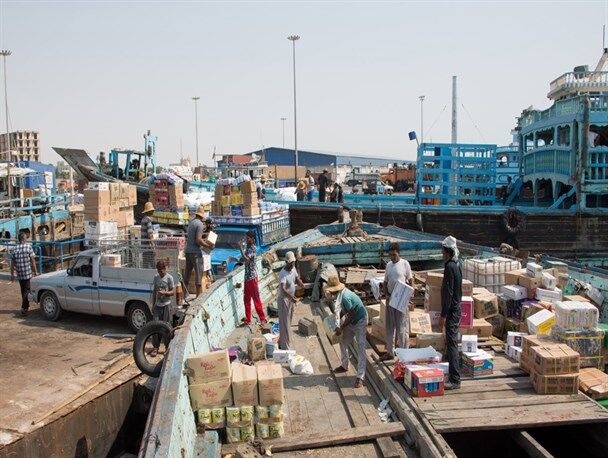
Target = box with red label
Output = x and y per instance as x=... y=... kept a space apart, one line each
x=427 y=382
x=467 y=311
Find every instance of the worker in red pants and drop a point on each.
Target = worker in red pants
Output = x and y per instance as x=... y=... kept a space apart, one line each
x=252 y=290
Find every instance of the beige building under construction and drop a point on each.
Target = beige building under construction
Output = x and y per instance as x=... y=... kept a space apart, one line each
x=25 y=145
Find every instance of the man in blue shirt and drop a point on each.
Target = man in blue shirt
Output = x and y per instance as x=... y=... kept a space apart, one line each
x=354 y=326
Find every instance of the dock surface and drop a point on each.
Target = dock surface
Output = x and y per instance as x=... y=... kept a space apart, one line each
x=46 y=364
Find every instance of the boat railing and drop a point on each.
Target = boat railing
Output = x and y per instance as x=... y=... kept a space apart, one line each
x=29 y=205
x=579 y=80
x=49 y=255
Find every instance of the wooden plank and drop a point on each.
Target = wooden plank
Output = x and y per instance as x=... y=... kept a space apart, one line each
x=466 y=397
x=308 y=441
x=530 y=445
x=483 y=387
x=520 y=401
x=550 y=417
x=521 y=412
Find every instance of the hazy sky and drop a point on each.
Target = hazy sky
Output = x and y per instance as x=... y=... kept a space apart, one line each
x=97 y=75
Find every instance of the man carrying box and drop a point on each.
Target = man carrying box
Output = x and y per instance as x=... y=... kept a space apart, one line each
x=451 y=295
x=354 y=326
x=396 y=322
x=196 y=247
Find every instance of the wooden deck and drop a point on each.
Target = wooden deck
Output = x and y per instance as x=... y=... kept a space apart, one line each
x=506 y=400
x=325 y=405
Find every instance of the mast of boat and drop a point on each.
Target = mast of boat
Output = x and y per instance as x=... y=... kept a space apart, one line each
x=454 y=112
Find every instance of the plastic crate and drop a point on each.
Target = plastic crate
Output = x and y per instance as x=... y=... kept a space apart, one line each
x=489 y=273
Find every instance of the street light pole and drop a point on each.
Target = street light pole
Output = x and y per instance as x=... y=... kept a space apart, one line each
x=293 y=39
x=421 y=118
x=5 y=53
x=196 y=99
x=283 y=119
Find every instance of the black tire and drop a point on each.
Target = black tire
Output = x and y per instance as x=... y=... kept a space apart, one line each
x=138 y=315
x=50 y=306
x=161 y=328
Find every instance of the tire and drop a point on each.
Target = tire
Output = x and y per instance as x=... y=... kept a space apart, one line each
x=138 y=314
x=151 y=328
x=50 y=306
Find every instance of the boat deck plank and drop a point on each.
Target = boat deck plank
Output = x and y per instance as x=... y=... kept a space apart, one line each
x=506 y=401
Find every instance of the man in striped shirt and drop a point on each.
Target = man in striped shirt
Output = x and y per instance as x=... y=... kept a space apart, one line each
x=23 y=260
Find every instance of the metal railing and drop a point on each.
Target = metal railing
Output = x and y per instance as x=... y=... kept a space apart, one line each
x=49 y=255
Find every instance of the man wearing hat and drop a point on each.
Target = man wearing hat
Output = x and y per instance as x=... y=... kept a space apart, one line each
x=288 y=279
x=323 y=181
x=451 y=295
x=197 y=245
x=354 y=327
x=147 y=232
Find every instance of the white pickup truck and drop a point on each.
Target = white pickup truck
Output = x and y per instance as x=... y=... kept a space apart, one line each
x=92 y=288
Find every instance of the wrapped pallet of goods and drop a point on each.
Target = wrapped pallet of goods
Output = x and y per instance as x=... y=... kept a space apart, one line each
x=489 y=273
x=108 y=211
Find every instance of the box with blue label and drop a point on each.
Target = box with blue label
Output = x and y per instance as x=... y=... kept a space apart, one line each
x=477 y=364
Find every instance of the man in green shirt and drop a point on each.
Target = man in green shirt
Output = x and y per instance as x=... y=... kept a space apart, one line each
x=353 y=315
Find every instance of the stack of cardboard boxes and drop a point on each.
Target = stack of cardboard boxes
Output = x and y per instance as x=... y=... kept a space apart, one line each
x=245 y=400
x=167 y=195
x=108 y=210
x=249 y=198
x=554 y=369
x=241 y=200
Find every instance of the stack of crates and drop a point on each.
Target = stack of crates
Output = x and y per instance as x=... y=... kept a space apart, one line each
x=489 y=273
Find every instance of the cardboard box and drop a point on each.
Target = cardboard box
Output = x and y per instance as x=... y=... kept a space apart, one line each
x=486 y=305
x=594 y=383
x=105 y=213
x=515 y=292
x=431 y=339
x=541 y=323
x=467 y=311
x=512 y=324
x=244 y=385
x=418 y=355
x=562 y=280
x=549 y=281
x=477 y=291
x=270 y=384
x=251 y=210
x=467 y=287
x=96 y=198
x=515 y=339
x=434 y=279
x=576 y=315
x=554 y=359
x=373 y=311
x=420 y=323
x=125 y=218
x=480 y=328
x=247 y=187
x=427 y=382
x=469 y=343
x=256 y=347
x=208 y=367
x=498 y=325
x=250 y=199
x=379 y=329
x=512 y=278
x=477 y=364
x=530 y=282
x=111 y=260
x=208 y=395
x=534 y=270
x=432 y=298
x=576 y=298
x=549 y=295
x=554 y=384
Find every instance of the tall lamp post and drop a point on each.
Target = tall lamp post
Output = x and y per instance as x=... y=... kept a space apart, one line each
x=293 y=39
x=196 y=99
x=421 y=118
x=5 y=53
x=283 y=120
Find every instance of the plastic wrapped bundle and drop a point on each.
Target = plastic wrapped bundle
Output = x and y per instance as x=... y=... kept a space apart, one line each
x=169 y=177
x=588 y=343
x=571 y=315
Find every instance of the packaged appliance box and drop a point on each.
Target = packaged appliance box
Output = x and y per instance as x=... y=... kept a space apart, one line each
x=207 y=367
x=534 y=270
x=481 y=328
x=244 y=385
x=427 y=382
x=515 y=292
x=466 y=311
x=469 y=343
x=270 y=384
x=420 y=323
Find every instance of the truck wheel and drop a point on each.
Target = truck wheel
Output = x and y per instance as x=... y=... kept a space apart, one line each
x=138 y=314
x=49 y=306
x=160 y=331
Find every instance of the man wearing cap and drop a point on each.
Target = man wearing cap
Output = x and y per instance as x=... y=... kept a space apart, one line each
x=147 y=232
x=451 y=295
x=354 y=326
x=196 y=246
x=288 y=279
x=323 y=181
x=396 y=322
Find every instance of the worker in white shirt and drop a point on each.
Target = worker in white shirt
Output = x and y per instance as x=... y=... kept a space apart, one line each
x=397 y=323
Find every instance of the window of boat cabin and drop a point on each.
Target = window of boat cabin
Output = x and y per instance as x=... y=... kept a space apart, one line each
x=563 y=135
x=545 y=137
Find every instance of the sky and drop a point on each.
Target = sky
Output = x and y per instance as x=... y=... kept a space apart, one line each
x=97 y=75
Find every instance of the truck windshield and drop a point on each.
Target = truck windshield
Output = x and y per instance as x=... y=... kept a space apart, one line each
x=229 y=239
